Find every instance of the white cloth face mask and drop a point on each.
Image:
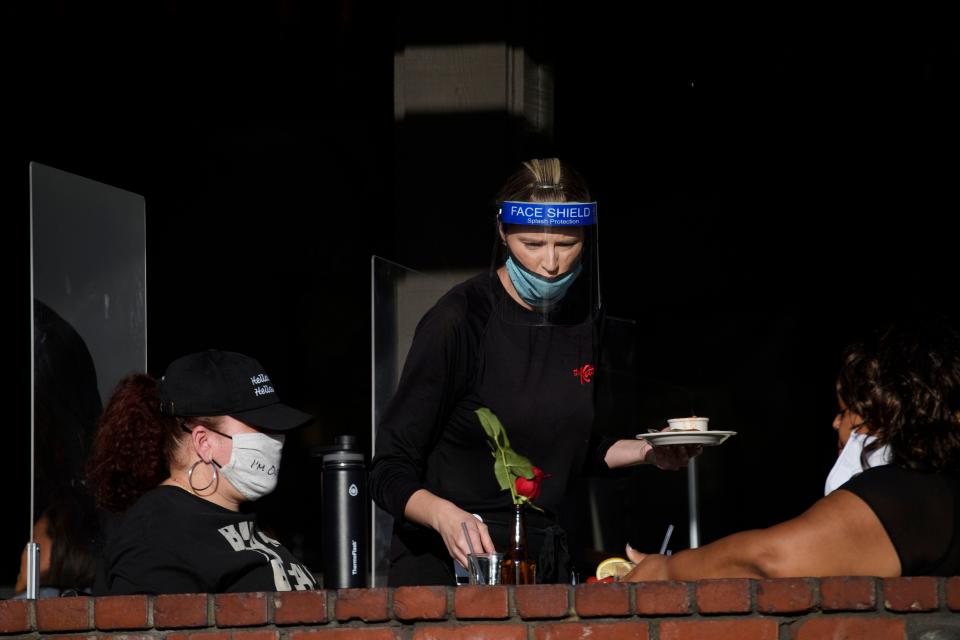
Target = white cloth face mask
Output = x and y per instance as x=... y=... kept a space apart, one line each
x=254 y=464
x=848 y=462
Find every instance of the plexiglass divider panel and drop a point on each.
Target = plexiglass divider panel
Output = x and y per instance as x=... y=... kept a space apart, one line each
x=89 y=296
x=399 y=298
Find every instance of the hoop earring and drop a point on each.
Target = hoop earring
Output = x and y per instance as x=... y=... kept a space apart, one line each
x=213 y=480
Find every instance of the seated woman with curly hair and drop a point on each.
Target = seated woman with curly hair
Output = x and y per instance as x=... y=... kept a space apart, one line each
x=901 y=519
x=178 y=457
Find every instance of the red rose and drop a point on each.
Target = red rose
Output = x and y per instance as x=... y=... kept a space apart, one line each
x=530 y=489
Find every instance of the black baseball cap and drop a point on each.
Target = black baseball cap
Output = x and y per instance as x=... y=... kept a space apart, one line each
x=225 y=383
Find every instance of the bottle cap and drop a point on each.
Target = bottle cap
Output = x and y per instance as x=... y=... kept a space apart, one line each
x=345 y=449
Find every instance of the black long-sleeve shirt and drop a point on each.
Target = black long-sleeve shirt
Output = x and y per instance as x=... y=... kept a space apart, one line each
x=469 y=351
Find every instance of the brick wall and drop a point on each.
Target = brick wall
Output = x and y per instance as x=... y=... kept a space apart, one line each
x=793 y=609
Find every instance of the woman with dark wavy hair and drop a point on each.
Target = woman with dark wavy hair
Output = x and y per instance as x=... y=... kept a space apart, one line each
x=902 y=388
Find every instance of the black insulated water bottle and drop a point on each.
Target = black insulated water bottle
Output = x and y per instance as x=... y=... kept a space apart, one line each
x=344 y=504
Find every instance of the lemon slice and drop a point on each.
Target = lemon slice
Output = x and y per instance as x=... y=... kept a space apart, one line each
x=615 y=567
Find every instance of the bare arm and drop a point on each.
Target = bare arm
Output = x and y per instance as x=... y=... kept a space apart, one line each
x=626 y=453
x=838 y=536
x=445 y=517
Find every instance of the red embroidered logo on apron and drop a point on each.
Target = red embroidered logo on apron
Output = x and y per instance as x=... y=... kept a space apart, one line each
x=584 y=373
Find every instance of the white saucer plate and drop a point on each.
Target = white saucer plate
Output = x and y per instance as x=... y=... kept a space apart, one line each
x=666 y=438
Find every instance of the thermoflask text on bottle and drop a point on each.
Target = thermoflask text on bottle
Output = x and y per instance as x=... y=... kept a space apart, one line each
x=344 y=500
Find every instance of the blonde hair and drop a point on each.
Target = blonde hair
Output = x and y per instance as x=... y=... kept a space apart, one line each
x=544 y=180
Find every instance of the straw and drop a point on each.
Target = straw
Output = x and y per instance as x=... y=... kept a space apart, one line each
x=666 y=540
x=473 y=561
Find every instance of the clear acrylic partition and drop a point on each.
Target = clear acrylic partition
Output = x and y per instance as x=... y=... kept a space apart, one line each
x=399 y=298
x=89 y=290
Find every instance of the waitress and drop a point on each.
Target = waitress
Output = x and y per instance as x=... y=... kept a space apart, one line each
x=522 y=340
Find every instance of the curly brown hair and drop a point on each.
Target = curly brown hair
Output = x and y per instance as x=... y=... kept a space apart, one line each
x=134 y=445
x=905 y=384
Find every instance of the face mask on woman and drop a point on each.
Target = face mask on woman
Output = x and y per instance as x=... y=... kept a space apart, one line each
x=536 y=290
x=254 y=463
x=848 y=462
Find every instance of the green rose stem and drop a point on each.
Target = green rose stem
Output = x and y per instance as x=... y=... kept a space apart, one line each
x=508 y=465
x=513 y=485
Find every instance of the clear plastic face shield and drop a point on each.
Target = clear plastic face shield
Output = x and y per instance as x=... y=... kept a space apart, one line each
x=546 y=260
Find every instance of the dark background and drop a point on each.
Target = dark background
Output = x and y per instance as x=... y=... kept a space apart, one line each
x=770 y=188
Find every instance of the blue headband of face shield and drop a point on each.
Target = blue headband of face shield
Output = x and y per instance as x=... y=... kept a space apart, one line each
x=549 y=214
x=538 y=291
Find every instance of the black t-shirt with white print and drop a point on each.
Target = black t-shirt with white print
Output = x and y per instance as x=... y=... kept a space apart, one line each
x=171 y=541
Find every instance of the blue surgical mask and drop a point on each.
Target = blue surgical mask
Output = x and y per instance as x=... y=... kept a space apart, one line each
x=538 y=291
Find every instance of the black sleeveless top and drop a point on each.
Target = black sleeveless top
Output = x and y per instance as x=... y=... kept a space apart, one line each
x=921 y=514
